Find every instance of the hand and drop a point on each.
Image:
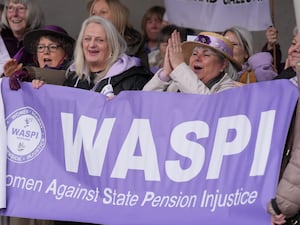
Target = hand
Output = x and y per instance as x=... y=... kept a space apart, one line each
x=37 y=83
x=287 y=63
x=16 y=77
x=238 y=84
x=11 y=66
x=167 y=69
x=175 y=50
x=271 y=35
x=278 y=219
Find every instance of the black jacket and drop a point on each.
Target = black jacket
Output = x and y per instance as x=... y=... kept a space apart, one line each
x=132 y=79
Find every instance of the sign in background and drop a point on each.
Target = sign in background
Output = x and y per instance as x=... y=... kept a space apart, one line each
x=145 y=157
x=217 y=15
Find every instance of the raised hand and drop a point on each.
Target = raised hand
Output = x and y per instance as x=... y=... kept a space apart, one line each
x=272 y=36
x=175 y=50
x=11 y=66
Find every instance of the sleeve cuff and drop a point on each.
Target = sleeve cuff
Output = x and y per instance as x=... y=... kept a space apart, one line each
x=163 y=77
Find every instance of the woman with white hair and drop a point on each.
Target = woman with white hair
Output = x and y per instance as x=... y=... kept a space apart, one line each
x=100 y=63
x=203 y=66
x=255 y=66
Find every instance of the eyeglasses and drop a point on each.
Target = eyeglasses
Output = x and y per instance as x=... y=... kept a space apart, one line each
x=51 y=48
x=20 y=9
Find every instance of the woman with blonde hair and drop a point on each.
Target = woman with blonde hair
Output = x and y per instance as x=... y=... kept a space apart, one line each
x=100 y=62
x=118 y=15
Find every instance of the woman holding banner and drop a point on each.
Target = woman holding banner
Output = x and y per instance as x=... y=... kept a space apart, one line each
x=100 y=63
x=204 y=66
x=52 y=49
x=285 y=207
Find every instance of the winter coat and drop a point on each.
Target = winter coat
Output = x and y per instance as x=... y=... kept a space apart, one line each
x=183 y=79
x=135 y=45
x=288 y=73
x=287 y=198
x=125 y=74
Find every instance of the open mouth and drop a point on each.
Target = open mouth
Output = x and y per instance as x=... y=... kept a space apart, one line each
x=16 y=21
x=197 y=68
x=47 y=60
x=93 y=52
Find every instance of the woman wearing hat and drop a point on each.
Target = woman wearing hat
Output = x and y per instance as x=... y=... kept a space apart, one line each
x=202 y=66
x=100 y=62
x=52 y=50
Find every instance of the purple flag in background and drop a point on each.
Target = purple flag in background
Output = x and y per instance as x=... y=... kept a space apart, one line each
x=145 y=157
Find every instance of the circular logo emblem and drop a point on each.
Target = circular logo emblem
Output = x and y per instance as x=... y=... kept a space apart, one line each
x=26 y=135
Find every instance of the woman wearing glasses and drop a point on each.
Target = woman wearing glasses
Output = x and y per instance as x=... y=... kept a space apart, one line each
x=18 y=17
x=52 y=50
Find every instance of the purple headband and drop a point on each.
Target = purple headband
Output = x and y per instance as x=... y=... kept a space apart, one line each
x=216 y=43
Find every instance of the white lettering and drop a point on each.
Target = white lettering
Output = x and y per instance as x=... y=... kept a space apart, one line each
x=193 y=151
x=85 y=132
x=139 y=153
x=140 y=132
x=263 y=143
x=238 y=125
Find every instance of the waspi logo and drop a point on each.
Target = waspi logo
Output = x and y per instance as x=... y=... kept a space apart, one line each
x=26 y=135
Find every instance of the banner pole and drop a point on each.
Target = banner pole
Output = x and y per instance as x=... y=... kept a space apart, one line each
x=272 y=7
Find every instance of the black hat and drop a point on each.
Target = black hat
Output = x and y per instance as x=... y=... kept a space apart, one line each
x=31 y=37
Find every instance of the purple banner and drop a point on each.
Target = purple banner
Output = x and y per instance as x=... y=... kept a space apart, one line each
x=145 y=157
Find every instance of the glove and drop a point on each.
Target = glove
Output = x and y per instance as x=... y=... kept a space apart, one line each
x=16 y=78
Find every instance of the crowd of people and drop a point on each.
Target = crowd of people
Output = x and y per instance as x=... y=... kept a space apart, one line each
x=110 y=55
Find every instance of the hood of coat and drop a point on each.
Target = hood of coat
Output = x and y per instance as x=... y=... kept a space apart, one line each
x=123 y=63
